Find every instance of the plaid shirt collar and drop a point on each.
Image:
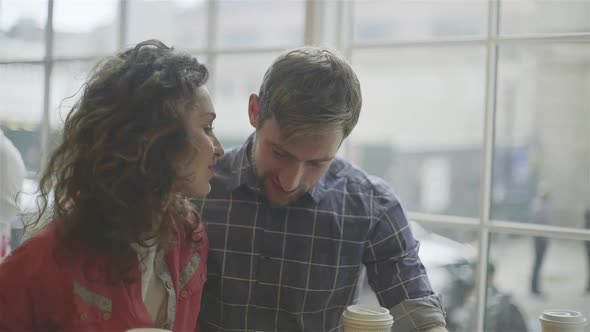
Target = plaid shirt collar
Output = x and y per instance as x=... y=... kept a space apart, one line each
x=241 y=160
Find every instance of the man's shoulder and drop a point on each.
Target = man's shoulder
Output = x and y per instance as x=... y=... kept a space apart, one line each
x=355 y=181
x=357 y=178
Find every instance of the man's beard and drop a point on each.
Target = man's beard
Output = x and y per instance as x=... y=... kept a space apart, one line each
x=265 y=181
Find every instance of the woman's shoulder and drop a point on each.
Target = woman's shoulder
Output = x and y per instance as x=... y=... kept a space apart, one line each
x=190 y=234
x=31 y=260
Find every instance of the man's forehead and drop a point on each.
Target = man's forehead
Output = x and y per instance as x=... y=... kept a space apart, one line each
x=317 y=147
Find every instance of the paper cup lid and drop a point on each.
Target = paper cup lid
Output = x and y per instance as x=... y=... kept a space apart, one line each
x=563 y=316
x=362 y=314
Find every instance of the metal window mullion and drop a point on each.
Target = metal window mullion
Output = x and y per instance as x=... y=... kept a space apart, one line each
x=488 y=157
x=581 y=37
x=553 y=232
x=48 y=68
x=502 y=226
x=310 y=25
x=123 y=18
x=211 y=41
x=345 y=42
x=207 y=51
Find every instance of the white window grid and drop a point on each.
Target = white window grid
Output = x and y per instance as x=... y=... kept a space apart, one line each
x=340 y=36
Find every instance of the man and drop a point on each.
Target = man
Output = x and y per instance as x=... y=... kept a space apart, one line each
x=291 y=225
x=12 y=175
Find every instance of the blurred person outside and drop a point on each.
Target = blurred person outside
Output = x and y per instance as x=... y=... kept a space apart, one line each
x=12 y=175
x=541 y=214
x=292 y=225
x=123 y=247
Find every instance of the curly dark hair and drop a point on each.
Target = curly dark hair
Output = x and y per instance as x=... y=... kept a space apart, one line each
x=112 y=175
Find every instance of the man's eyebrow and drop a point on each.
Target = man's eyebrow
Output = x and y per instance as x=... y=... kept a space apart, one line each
x=290 y=155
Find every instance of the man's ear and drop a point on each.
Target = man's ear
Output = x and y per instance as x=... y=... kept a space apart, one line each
x=253 y=110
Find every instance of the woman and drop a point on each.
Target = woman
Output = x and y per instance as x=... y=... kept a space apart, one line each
x=123 y=248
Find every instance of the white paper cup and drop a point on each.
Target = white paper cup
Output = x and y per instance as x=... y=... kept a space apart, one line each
x=558 y=320
x=362 y=318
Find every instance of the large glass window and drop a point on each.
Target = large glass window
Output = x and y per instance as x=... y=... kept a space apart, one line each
x=409 y=132
x=236 y=77
x=22 y=29
x=476 y=112
x=386 y=20
x=558 y=269
x=542 y=150
x=20 y=116
x=538 y=17
x=180 y=23
x=83 y=28
x=260 y=23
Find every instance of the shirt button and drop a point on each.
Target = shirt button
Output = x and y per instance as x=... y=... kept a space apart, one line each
x=203 y=276
x=184 y=294
x=168 y=284
x=83 y=316
x=106 y=316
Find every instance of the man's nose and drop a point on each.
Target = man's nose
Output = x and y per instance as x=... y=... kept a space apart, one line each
x=290 y=177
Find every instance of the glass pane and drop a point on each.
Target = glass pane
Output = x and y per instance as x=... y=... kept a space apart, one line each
x=85 y=28
x=22 y=29
x=542 y=147
x=421 y=125
x=21 y=92
x=178 y=23
x=235 y=78
x=449 y=256
x=241 y=24
x=386 y=20
x=66 y=89
x=563 y=279
x=533 y=16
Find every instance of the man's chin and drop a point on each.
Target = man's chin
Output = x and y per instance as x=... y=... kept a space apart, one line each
x=281 y=200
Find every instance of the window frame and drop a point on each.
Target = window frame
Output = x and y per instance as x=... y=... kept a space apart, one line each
x=331 y=23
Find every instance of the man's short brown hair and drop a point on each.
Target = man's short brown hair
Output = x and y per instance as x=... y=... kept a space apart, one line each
x=310 y=89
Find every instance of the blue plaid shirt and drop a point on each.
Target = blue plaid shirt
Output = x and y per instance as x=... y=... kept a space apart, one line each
x=296 y=268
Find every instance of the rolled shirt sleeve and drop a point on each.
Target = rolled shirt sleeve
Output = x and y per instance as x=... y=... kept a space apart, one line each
x=397 y=275
x=418 y=314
